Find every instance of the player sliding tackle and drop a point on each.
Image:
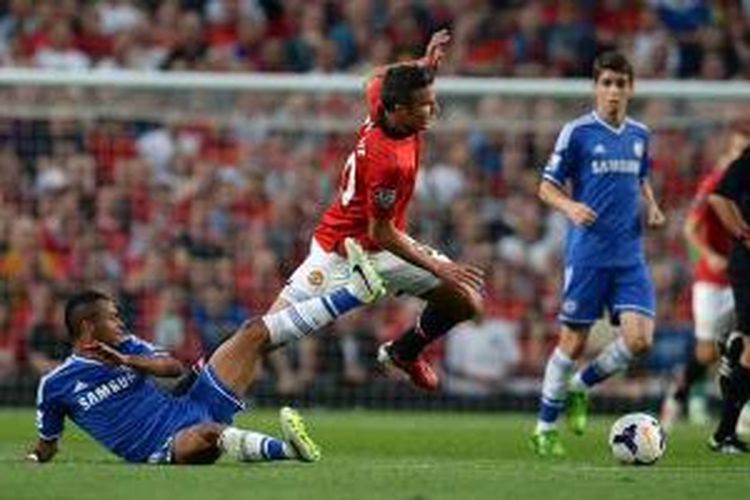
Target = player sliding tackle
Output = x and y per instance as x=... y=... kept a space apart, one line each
x=106 y=389
x=375 y=188
x=596 y=176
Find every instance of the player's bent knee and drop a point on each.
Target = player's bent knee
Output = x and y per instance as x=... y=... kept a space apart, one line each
x=639 y=344
x=572 y=342
x=705 y=352
x=254 y=331
x=471 y=305
x=197 y=445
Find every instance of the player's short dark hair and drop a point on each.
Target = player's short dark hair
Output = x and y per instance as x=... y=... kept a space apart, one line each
x=613 y=61
x=401 y=81
x=79 y=306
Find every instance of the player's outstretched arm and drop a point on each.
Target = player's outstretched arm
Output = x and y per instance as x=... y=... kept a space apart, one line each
x=436 y=49
x=580 y=213
x=433 y=57
x=162 y=365
x=385 y=234
x=43 y=451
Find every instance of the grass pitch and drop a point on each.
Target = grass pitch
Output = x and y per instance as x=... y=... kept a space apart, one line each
x=383 y=455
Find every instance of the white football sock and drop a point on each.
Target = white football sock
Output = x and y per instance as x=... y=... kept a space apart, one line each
x=249 y=446
x=303 y=318
x=614 y=358
x=554 y=389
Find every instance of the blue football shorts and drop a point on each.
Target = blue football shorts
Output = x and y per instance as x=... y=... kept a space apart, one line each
x=208 y=400
x=589 y=291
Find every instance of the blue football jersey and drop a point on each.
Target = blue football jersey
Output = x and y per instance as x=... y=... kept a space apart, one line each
x=605 y=167
x=120 y=408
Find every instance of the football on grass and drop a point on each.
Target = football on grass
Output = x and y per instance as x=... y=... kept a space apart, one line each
x=637 y=438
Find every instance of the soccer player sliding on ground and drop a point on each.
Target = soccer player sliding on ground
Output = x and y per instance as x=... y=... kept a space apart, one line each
x=596 y=176
x=375 y=188
x=106 y=389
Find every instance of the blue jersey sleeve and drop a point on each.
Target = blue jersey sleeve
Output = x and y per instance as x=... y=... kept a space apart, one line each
x=137 y=346
x=645 y=160
x=50 y=414
x=562 y=161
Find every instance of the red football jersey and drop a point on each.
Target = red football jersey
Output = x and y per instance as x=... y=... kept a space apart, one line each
x=377 y=182
x=716 y=235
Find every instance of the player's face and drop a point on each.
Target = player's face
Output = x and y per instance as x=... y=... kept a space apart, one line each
x=613 y=91
x=419 y=113
x=108 y=323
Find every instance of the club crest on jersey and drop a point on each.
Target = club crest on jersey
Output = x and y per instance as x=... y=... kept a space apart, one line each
x=316 y=278
x=569 y=306
x=638 y=148
x=384 y=197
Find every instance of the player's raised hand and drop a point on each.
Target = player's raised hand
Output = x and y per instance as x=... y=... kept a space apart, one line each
x=581 y=214
x=656 y=217
x=436 y=48
x=104 y=353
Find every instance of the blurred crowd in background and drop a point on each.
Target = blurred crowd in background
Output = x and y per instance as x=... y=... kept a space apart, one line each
x=194 y=225
x=549 y=38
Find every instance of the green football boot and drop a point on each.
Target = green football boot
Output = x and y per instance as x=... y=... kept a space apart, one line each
x=576 y=411
x=547 y=444
x=295 y=433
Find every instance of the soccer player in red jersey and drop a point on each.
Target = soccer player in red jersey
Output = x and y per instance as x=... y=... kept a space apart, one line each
x=713 y=304
x=374 y=190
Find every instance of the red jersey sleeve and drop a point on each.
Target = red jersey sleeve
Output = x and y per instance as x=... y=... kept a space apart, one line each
x=699 y=207
x=383 y=183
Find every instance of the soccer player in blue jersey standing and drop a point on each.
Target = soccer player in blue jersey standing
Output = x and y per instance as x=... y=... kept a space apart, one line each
x=105 y=386
x=597 y=176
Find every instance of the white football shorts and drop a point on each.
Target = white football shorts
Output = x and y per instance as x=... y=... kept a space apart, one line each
x=713 y=310
x=322 y=271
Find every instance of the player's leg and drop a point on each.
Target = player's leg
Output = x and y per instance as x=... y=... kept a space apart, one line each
x=233 y=364
x=635 y=339
x=446 y=307
x=631 y=299
x=680 y=393
x=287 y=381
x=204 y=443
x=713 y=314
x=636 y=334
x=734 y=379
x=583 y=298
x=560 y=366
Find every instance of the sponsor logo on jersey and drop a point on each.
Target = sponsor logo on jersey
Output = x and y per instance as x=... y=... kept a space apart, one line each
x=106 y=390
x=599 y=149
x=615 y=166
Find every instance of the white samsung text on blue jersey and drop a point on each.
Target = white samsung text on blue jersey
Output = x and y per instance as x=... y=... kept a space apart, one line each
x=105 y=390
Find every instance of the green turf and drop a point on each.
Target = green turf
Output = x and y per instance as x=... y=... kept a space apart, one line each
x=383 y=455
